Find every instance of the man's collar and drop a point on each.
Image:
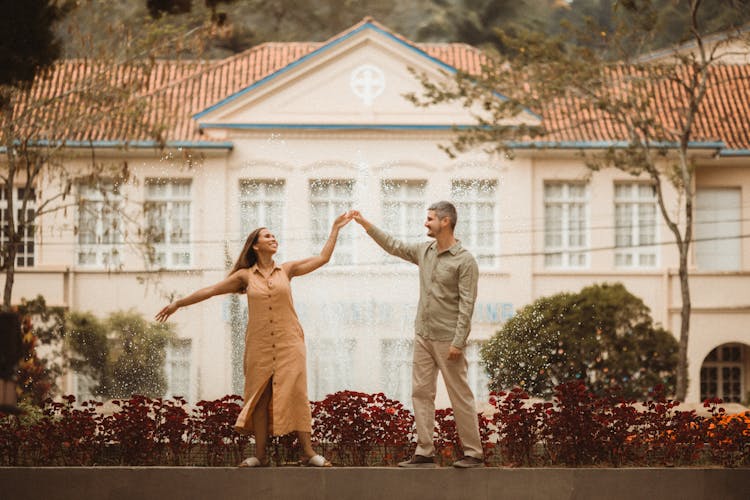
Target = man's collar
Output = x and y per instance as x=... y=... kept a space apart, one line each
x=454 y=249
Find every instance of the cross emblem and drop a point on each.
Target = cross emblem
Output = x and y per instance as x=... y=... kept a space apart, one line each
x=367 y=83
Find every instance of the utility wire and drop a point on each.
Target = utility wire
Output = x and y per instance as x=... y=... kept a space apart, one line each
x=394 y=261
x=421 y=236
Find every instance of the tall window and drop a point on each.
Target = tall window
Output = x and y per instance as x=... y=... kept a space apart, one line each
x=83 y=387
x=477 y=223
x=330 y=366
x=396 y=361
x=99 y=226
x=167 y=210
x=404 y=208
x=25 y=247
x=721 y=374
x=565 y=224
x=262 y=205
x=404 y=212
x=478 y=380
x=635 y=225
x=177 y=368
x=718 y=214
x=330 y=198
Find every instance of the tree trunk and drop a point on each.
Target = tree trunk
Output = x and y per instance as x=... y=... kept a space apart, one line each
x=682 y=361
x=9 y=252
x=10 y=269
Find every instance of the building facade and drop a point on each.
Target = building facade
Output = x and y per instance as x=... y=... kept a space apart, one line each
x=290 y=135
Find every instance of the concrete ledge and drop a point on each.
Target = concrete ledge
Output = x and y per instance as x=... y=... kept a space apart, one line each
x=186 y=483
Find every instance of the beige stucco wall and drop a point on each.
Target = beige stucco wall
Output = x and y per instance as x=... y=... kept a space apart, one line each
x=721 y=307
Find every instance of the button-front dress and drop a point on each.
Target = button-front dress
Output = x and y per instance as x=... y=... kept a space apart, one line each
x=274 y=353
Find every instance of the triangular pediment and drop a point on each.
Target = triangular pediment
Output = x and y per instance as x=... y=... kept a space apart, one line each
x=356 y=80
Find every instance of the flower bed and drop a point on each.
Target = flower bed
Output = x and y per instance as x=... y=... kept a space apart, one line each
x=358 y=429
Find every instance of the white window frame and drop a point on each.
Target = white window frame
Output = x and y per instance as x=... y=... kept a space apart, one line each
x=106 y=249
x=330 y=365
x=178 y=362
x=257 y=200
x=476 y=232
x=477 y=375
x=24 y=258
x=565 y=250
x=396 y=361
x=718 y=229
x=719 y=363
x=327 y=203
x=640 y=246
x=404 y=211
x=166 y=252
x=82 y=387
x=404 y=208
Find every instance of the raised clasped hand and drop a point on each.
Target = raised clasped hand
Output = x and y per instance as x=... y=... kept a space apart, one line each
x=356 y=215
x=342 y=220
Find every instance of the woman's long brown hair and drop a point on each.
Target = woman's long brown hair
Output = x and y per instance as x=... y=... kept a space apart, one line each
x=248 y=257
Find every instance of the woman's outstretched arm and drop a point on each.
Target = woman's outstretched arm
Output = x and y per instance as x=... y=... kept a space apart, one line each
x=234 y=283
x=310 y=264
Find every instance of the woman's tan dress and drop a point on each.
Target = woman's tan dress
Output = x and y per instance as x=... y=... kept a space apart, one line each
x=274 y=353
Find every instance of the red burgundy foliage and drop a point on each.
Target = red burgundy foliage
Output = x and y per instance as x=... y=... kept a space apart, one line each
x=362 y=429
x=354 y=428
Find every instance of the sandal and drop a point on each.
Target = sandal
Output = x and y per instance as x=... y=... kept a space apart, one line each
x=254 y=462
x=316 y=461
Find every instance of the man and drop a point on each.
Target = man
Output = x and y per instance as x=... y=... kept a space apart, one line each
x=448 y=276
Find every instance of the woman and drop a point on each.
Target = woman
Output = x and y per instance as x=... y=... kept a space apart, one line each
x=275 y=392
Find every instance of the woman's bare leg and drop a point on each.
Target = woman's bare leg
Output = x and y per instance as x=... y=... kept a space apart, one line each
x=306 y=444
x=260 y=423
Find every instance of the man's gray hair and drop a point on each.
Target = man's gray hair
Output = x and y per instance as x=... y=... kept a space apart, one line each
x=445 y=209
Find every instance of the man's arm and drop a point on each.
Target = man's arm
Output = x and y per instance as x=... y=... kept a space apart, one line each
x=387 y=242
x=467 y=295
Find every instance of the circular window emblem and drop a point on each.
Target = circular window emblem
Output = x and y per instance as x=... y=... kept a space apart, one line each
x=367 y=83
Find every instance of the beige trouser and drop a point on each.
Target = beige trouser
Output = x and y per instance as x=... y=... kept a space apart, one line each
x=429 y=357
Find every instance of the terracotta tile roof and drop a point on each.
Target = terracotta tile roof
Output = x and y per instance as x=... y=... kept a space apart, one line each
x=724 y=114
x=67 y=102
x=171 y=92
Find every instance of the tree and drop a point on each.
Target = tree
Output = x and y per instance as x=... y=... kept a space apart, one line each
x=251 y=22
x=655 y=107
x=27 y=47
x=110 y=85
x=137 y=355
x=603 y=335
x=122 y=355
x=237 y=25
x=28 y=43
x=42 y=330
x=87 y=349
x=475 y=21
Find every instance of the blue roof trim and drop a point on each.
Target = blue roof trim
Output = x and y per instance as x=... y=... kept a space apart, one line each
x=329 y=126
x=395 y=126
x=133 y=144
x=610 y=144
x=734 y=152
x=325 y=47
x=723 y=151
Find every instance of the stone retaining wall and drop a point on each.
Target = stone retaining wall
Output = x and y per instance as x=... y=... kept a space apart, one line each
x=186 y=483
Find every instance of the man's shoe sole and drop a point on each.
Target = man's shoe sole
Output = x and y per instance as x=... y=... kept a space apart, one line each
x=468 y=466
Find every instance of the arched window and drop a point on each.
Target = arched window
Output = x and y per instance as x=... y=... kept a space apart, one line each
x=722 y=373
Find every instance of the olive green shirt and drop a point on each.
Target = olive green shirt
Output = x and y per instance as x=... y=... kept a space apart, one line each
x=447 y=286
